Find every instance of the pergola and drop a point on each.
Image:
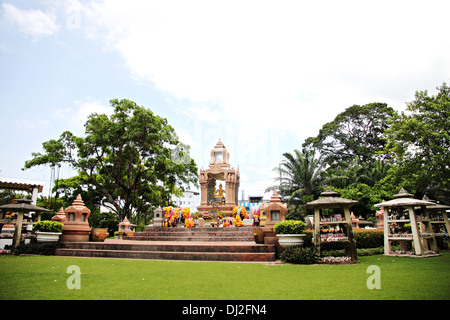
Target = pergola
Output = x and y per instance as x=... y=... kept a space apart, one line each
x=330 y=200
x=22 y=185
x=22 y=205
x=401 y=211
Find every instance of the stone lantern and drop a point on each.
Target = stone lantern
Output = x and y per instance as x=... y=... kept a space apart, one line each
x=158 y=217
x=76 y=226
x=125 y=228
x=275 y=210
x=60 y=216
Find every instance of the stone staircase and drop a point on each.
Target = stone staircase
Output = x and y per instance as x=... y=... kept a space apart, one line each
x=198 y=244
x=194 y=234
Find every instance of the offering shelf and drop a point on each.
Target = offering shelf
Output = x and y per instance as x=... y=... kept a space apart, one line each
x=400 y=238
x=399 y=220
x=332 y=222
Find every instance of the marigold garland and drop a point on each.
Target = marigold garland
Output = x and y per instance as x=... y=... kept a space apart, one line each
x=237 y=221
x=243 y=211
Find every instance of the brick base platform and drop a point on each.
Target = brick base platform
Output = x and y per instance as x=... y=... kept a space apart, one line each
x=178 y=244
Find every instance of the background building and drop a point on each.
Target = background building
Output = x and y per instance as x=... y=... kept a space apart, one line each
x=190 y=199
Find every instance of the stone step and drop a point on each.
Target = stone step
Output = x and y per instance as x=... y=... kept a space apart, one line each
x=193 y=234
x=170 y=251
x=166 y=255
x=176 y=247
x=189 y=238
x=200 y=230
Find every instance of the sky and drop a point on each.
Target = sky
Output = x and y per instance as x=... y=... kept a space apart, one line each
x=261 y=75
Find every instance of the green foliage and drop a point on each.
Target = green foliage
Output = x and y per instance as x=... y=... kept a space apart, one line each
x=420 y=141
x=299 y=255
x=366 y=196
x=125 y=161
x=299 y=177
x=369 y=238
x=364 y=238
x=48 y=226
x=355 y=132
x=41 y=248
x=290 y=227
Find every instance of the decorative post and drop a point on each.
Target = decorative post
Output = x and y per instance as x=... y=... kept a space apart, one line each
x=76 y=226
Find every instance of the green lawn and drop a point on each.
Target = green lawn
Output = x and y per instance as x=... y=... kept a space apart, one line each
x=44 y=277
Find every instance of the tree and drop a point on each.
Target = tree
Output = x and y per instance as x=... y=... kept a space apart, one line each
x=358 y=131
x=350 y=174
x=420 y=141
x=125 y=158
x=299 y=177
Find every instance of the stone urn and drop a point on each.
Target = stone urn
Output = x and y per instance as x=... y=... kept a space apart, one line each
x=42 y=236
x=99 y=234
x=289 y=233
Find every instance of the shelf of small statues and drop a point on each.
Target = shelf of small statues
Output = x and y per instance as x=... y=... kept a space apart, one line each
x=399 y=220
x=436 y=219
x=338 y=260
x=400 y=236
x=333 y=219
x=426 y=235
x=441 y=234
x=401 y=253
x=333 y=237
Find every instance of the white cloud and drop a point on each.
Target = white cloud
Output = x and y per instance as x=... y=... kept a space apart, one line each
x=76 y=116
x=289 y=61
x=34 y=23
x=249 y=68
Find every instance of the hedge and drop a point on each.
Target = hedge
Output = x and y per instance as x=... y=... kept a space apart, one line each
x=365 y=238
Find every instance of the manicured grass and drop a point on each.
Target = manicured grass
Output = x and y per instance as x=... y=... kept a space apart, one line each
x=44 y=277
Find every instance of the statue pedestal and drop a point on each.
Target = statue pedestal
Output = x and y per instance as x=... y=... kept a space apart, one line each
x=226 y=208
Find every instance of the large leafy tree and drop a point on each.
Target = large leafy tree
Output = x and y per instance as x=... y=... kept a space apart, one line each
x=355 y=132
x=420 y=140
x=126 y=158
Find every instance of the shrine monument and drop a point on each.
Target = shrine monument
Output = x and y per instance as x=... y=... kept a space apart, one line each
x=225 y=196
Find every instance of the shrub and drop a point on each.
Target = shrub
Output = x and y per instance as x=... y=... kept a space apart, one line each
x=290 y=227
x=299 y=255
x=42 y=248
x=48 y=226
x=365 y=238
x=369 y=238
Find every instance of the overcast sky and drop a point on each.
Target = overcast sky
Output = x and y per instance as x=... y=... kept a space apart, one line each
x=261 y=75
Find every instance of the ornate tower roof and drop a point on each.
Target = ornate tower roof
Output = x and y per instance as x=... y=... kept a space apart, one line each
x=219 y=155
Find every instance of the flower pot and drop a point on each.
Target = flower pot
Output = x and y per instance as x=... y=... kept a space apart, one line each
x=47 y=236
x=291 y=240
x=99 y=234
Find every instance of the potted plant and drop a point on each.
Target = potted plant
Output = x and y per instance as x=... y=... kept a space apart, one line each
x=48 y=230
x=290 y=233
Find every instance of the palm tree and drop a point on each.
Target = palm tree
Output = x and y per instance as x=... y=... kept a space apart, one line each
x=299 y=176
x=350 y=174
